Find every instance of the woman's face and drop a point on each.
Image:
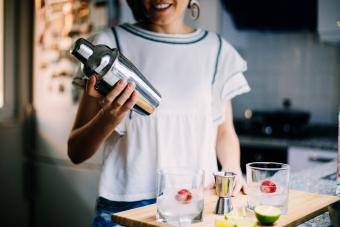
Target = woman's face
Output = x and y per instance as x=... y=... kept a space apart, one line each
x=165 y=12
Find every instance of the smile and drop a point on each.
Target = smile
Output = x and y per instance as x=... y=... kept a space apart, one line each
x=162 y=6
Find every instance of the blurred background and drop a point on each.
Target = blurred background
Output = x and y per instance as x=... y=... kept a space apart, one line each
x=293 y=54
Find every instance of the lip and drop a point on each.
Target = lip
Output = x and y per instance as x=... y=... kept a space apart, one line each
x=161 y=3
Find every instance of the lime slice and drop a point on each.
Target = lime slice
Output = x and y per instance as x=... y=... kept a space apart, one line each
x=242 y=222
x=236 y=222
x=239 y=218
x=232 y=214
x=267 y=214
x=222 y=223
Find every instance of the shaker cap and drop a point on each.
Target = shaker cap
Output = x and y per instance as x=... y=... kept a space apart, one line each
x=82 y=50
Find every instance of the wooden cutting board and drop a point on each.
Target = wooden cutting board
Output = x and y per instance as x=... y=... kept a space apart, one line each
x=302 y=206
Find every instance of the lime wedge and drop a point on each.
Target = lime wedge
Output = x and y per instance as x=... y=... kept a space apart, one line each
x=242 y=222
x=239 y=218
x=236 y=222
x=267 y=214
x=222 y=223
x=232 y=214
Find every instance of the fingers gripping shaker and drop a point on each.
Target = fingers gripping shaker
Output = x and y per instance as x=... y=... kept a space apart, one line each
x=110 y=65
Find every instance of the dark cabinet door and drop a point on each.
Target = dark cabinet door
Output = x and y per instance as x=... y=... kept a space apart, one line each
x=262 y=154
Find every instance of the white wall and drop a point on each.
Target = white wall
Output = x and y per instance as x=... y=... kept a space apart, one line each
x=210 y=15
x=293 y=65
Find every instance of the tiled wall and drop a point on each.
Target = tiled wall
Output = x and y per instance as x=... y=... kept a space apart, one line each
x=292 y=65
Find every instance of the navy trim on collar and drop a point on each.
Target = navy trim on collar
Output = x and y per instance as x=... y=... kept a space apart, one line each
x=160 y=39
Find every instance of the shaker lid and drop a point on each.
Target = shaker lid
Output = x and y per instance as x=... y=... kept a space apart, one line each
x=101 y=60
x=82 y=50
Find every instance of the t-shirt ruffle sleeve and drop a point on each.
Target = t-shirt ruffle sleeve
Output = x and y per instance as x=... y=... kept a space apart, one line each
x=105 y=37
x=228 y=80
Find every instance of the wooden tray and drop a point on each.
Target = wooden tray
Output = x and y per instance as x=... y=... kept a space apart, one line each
x=302 y=206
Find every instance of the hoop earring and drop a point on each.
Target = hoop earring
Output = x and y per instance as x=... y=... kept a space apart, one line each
x=194 y=7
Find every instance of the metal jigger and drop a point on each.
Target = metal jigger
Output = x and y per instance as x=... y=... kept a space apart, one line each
x=224 y=185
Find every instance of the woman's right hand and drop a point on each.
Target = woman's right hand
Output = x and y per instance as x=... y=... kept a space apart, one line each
x=117 y=103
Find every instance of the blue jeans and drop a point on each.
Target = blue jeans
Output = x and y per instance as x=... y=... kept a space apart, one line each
x=105 y=208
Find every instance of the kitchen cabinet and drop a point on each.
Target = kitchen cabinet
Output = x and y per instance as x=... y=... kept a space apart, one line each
x=300 y=158
x=65 y=195
x=259 y=153
x=328 y=14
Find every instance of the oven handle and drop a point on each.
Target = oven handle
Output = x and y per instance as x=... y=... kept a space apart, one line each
x=318 y=158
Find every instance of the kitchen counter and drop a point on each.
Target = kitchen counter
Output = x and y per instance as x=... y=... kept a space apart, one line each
x=312 y=180
x=323 y=137
x=302 y=204
x=322 y=143
x=302 y=149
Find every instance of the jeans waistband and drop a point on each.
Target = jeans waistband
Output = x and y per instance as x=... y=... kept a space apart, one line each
x=118 y=206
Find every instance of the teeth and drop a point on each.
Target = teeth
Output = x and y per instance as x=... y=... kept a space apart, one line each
x=162 y=6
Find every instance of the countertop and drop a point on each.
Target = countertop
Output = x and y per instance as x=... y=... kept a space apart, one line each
x=312 y=180
x=323 y=137
x=322 y=143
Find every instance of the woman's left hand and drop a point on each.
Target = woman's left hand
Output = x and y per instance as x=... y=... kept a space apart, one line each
x=239 y=184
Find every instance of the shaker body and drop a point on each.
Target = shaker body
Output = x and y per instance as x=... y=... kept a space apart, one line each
x=148 y=97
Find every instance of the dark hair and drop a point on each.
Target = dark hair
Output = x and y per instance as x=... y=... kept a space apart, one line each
x=137 y=9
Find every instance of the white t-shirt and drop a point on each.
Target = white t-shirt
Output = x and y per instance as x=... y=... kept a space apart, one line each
x=196 y=74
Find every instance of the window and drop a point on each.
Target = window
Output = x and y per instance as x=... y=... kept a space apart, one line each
x=7 y=52
x=2 y=79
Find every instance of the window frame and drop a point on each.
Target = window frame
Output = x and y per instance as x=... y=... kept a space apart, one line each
x=8 y=70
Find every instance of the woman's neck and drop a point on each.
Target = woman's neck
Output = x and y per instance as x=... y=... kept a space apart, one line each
x=173 y=28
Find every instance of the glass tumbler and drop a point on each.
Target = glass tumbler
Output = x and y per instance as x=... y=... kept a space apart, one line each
x=180 y=196
x=268 y=184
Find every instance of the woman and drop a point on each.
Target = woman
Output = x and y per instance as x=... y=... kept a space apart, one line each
x=197 y=74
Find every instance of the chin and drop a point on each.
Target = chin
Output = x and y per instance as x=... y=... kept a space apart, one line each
x=162 y=22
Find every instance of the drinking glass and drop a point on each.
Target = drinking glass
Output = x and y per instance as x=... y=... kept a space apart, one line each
x=268 y=184
x=180 y=196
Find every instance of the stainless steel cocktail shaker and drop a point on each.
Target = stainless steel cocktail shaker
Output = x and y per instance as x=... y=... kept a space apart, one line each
x=110 y=65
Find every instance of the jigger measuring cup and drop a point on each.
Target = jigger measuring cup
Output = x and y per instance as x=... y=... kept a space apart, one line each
x=224 y=185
